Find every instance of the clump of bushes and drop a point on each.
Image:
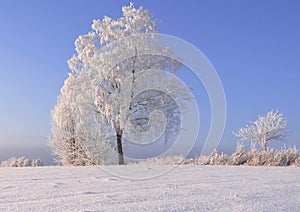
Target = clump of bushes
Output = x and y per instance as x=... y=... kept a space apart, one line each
x=270 y=157
x=283 y=157
x=21 y=162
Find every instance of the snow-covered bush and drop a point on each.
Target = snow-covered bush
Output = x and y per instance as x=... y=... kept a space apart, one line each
x=260 y=158
x=286 y=157
x=21 y=162
x=240 y=156
x=214 y=159
x=271 y=157
x=203 y=160
x=219 y=159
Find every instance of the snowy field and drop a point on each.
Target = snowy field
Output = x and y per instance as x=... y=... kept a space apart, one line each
x=185 y=188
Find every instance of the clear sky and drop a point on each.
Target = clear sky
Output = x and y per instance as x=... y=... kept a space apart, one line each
x=253 y=45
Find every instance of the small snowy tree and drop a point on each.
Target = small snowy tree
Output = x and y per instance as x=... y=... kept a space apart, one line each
x=265 y=129
x=66 y=139
x=101 y=73
x=36 y=162
x=63 y=139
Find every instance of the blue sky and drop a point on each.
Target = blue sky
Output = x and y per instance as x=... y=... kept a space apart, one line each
x=253 y=45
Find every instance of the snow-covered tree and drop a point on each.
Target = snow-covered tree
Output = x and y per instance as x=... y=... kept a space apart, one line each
x=63 y=141
x=36 y=162
x=108 y=63
x=265 y=129
x=66 y=140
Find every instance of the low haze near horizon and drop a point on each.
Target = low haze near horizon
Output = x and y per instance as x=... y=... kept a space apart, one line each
x=253 y=45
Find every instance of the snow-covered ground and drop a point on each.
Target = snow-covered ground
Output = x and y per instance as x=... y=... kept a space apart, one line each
x=184 y=188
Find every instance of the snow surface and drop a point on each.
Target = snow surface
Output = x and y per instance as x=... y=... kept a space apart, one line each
x=184 y=188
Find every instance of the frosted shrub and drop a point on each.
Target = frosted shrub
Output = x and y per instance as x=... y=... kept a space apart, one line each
x=270 y=157
x=223 y=159
x=286 y=157
x=219 y=159
x=240 y=156
x=297 y=161
x=260 y=158
x=21 y=162
x=202 y=160
x=279 y=158
x=214 y=159
x=292 y=155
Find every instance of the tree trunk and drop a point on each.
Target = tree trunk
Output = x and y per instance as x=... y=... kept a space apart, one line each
x=265 y=146
x=120 y=149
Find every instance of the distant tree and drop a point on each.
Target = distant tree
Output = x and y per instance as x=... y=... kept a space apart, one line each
x=21 y=162
x=265 y=129
x=101 y=76
x=36 y=162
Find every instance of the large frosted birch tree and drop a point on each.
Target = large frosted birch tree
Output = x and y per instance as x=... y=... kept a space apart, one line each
x=105 y=103
x=108 y=62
